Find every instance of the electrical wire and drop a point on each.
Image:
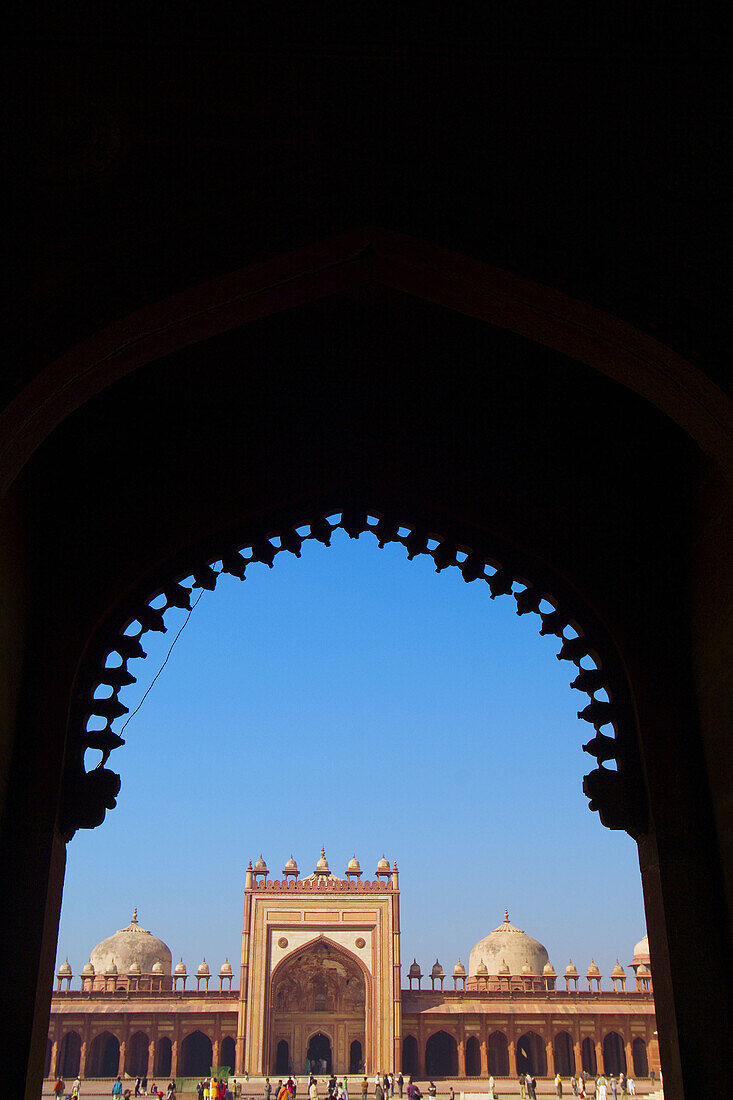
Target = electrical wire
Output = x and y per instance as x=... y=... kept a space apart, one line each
x=165 y=662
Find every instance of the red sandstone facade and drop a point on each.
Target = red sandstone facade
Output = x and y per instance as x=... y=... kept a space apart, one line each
x=320 y=979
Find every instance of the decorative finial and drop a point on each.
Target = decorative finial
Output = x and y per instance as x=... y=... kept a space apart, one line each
x=323 y=851
x=134 y=916
x=506 y=916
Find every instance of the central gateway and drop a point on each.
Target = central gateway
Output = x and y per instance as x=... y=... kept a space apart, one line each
x=320 y=979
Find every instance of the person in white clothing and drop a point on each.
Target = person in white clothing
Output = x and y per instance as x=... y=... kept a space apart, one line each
x=492 y=1087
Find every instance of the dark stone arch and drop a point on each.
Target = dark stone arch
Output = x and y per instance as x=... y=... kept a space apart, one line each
x=617 y=794
x=47 y=1060
x=227 y=1054
x=282 y=1057
x=531 y=1054
x=163 y=1057
x=69 y=1054
x=564 y=1056
x=356 y=1057
x=104 y=1056
x=588 y=1056
x=498 y=1054
x=441 y=1055
x=614 y=1053
x=473 y=1057
x=320 y=1050
x=409 y=1055
x=136 y=1059
x=640 y=1056
x=196 y=1055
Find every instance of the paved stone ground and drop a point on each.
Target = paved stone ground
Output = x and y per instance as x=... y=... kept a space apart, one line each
x=101 y=1089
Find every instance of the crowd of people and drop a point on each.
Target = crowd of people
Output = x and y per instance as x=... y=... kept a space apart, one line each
x=383 y=1087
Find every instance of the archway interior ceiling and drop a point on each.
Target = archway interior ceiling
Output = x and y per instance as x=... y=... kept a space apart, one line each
x=382 y=390
x=545 y=165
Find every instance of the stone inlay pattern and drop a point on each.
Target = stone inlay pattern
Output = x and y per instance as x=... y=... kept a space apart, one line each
x=617 y=793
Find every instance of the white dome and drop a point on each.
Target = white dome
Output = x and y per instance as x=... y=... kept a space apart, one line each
x=508 y=944
x=131 y=945
x=641 y=952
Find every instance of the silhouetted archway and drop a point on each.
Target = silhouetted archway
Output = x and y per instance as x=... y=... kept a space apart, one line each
x=498 y=1054
x=441 y=1055
x=104 y=1056
x=196 y=1055
x=47 y=1063
x=69 y=1054
x=531 y=1057
x=641 y=1061
x=588 y=1056
x=319 y=1053
x=282 y=1057
x=473 y=1057
x=228 y=1053
x=163 y=1057
x=356 y=1057
x=409 y=1056
x=614 y=1055
x=564 y=1060
x=137 y=1055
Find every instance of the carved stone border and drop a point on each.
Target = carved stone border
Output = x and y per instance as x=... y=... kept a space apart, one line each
x=618 y=795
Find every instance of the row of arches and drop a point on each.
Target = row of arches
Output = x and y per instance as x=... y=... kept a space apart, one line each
x=103 y=1060
x=441 y=1055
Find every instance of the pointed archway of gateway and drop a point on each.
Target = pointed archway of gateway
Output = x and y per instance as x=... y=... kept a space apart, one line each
x=320 y=1055
x=318 y=1007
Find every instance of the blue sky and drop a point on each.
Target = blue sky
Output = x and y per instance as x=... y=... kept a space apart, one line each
x=360 y=701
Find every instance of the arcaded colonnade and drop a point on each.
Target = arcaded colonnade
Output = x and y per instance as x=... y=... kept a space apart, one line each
x=539 y=1043
x=458 y=1035
x=163 y=1039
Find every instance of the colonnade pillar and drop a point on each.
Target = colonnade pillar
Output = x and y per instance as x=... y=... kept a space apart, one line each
x=83 y=1055
x=123 y=1051
x=578 y=1056
x=512 y=1048
x=484 y=1056
x=550 y=1050
x=462 y=1057
x=53 y=1066
x=215 y=1048
x=420 y=1053
x=629 y=1055
x=174 y=1055
x=151 y=1055
x=600 y=1066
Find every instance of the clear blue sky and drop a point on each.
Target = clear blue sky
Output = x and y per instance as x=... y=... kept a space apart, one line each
x=354 y=699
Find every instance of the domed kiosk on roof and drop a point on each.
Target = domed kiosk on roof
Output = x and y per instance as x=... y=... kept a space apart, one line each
x=641 y=953
x=509 y=945
x=132 y=946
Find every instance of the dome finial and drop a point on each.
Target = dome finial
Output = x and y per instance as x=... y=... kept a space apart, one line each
x=134 y=916
x=506 y=916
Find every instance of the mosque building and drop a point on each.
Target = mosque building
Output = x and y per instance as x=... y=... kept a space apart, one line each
x=321 y=987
